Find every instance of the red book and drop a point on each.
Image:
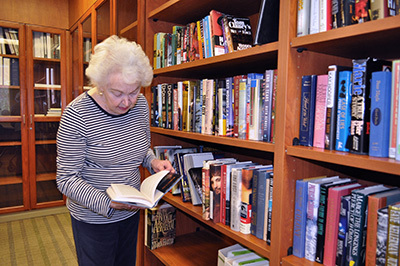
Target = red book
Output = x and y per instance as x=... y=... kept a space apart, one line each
x=320 y=111
x=333 y=212
x=217 y=39
x=376 y=202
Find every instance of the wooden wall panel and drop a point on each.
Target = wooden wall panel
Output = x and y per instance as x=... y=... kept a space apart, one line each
x=49 y=13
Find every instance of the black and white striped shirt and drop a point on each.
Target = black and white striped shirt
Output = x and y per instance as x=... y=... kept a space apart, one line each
x=95 y=149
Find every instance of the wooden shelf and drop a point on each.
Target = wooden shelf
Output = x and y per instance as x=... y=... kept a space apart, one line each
x=10 y=143
x=384 y=165
x=45 y=177
x=238 y=62
x=240 y=143
x=294 y=261
x=250 y=241
x=45 y=118
x=356 y=41
x=10 y=118
x=42 y=59
x=10 y=180
x=172 y=10
x=192 y=249
x=133 y=25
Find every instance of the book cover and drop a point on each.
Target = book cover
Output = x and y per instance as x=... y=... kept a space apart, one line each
x=242 y=109
x=238 y=33
x=343 y=111
x=394 y=107
x=303 y=17
x=342 y=256
x=322 y=216
x=229 y=106
x=177 y=30
x=376 y=202
x=381 y=236
x=300 y=216
x=358 y=225
x=273 y=106
x=152 y=189
x=314 y=16
x=236 y=194
x=160 y=226
x=332 y=224
x=217 y=38
x=320 y=111
x=268 y=22
x=362 y=9
x=348 y=15
x=312 y=216
x=267 y=105
x=331 y=105
x=380 y=9
x=381 y=84
x=255 y=107
x=361 y=102
x=307 y=110
x=222 y=108
x=393 y=238
x=246 y=200
x=325 y=15
x=336 y=14
x=215 y=191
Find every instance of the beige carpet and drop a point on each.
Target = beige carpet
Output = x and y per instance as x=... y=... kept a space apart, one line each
x=37 y=238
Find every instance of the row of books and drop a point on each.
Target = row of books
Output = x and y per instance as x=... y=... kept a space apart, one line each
x=46 y=45
x=215 y=34
x=238 y=255
x=9 y=42
x=237 y=194
x=315 y=16
x=242 y=106
x=336 y=222
x=352 y=108
x=9 y=71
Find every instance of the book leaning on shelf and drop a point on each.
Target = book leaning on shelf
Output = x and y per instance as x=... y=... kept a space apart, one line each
x=152 y=189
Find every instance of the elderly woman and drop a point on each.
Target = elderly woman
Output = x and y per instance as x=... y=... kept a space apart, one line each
x=103 y=138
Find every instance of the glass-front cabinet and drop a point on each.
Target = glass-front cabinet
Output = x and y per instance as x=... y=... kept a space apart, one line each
x=14 y=184
x=46 y=90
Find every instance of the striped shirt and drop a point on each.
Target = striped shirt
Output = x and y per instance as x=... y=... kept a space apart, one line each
x=95 y=149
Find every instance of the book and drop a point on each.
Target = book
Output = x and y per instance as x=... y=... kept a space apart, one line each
x=221 y=94
x=376 y=202
x=236 y=194
x=307 y=110
x=332 y=224
x=267 y=90
x=381 y=236
x=268 y=22
x=320 y=111
x=331 y=105
x=215 y=191
x=303 y=17
x=223 y=253
x=237 y=32
x=242 y=107
x=229 y=106
x=381 y=84
x=343 y=111
x=357 y=222
x=380 y=9
x=348 y=15
x=361 y=102
x=322 y=215
x=393 y=238
x=336 y=14
x=300 y=216
x=160 y=226
x=325 y=15
x=255 y=107
x=314 y=16
x=362 y=9
x=394 y=106
x=217 y=38
x=268 y=198
x=152 y=189
x=342 y=256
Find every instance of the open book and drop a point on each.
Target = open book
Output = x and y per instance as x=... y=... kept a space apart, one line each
x=152 y=189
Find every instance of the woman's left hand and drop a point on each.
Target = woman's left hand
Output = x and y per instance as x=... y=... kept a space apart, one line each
x=159 y=165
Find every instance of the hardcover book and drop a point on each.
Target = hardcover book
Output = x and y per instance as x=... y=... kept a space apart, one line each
x=307 y=110
x=217 y=38
x=380 y=114
x=268 y=22
x=381 y=236
x=160 y=226
x=152 y=189
x=393 y=239
x=394 y=107
x=303 y=17
x=342 y=254
x=320 y=111
x=267 y=90
x=237 y=32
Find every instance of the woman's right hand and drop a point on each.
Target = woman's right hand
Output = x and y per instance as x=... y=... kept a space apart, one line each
x=123 y=206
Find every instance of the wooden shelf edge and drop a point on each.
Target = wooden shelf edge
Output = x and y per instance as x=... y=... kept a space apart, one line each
x=294 y=261
x=10 y=143
x=257 y=245
x=240 y=143
x=384 y=165
x=367 y=28
x=129 y=27
x=11 y=180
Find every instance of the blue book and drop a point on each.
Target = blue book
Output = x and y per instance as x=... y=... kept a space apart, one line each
x=343 y=111
x=381 y=93
x=307 y=110
x=207 y=36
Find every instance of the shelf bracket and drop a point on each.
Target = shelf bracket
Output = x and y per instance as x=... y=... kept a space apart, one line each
x=290 y=251
x=301 y=49
x=155 y=19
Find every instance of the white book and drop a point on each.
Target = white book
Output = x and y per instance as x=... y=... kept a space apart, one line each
x=48 y=46
x=203 y=106
x=1 y=70
x=255 y=110
x=159 y=100
x=6 y=71
x=314 y=16
x=323 y=7
x=303 y=17
x=180 y=103
x=209 y=111
x=223 y=253
x=2 y=42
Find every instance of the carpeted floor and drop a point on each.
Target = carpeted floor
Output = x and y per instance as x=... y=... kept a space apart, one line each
x=37 y=238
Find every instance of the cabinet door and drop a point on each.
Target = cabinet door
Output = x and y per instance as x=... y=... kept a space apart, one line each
x=13 y=135
x=46 y=75
x=127 y=19
x=103 y=21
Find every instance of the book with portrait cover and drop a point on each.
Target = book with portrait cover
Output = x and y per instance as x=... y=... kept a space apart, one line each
x=152 y=189
x=160 y=226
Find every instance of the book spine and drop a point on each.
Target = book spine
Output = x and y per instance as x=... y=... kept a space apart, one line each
x=273 y=106
x=379 y=9
x=223 y=194
x=348 y=12
x=381 y=237
x=198 y=106
x=267 y=105
x=269 y=220
x=305 y=131
x=394 y=106
x=343 y=111
x=175 y=107
x=261 y=184
x=170 y=106
x=229 y=107
x=336 y=20
x=320 y=111
x=392 y=252
x=343 y=233
x=362 y=8
x=222 y=108
x=314 y=16
x=331 y=105
x=254 y=198
x=205 y=178
x=185 y=99
x=246 y=201
x=380 y=114
x=374 y=204
x=303 y=17
x=300 y=217
x=360 y=202
x=321 y=223
x=311 y=224
x=164 y=105
x=236 y=191
x=242 y=109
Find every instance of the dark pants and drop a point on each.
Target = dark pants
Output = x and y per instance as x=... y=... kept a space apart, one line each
x=106 y=244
